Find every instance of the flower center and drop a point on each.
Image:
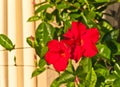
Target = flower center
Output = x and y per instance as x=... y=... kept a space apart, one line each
x=80 y=42
x=62 y=53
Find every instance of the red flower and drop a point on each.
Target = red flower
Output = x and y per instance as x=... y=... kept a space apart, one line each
x=81 y=40
x=58 y=55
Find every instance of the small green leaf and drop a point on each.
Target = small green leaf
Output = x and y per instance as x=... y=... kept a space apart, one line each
x=110 y=79
x=117 y=68
x=63 y=78
x=6 y=42
x=33 y=18
x=86 y=64
x=70 y=67
x=102 y=72
x=42 y=63
x=42 y=7
x=62 y=5
x=43 y=51
x=38 y=71
x=101 y=1
x=116 y=83
x=104 y=51
x=74 y=15
x=30 y=41
x=118 y=47
x=71 y=84
x=91 y=79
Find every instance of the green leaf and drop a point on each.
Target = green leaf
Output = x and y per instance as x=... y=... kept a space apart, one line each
x=43 y=51
x=110 y=79
x=117 y=68
x=101 y=1
x=91 y=79
x=104 y=51
x=38 y=71
x=42 y=7
x=33 y=18
x=74 y=15
x=116 y=83
x=42 y=63
x=71 y=84
x=62 y=5
x=63 y=78
x=86 y=64
x=70 y=67
x=102 y=72
x=30 y=41
x=118 y=48
x=6 y=42
x=44 y=33
x=111 y=35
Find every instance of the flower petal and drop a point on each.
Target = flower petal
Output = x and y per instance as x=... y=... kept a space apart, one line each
x=89 y=49
x=93 y=34
x=51 y=57
x=74 y=29
x=53 y=45
x=82 y=28
x=60 y=64
x=68 y=34
x=77 y=53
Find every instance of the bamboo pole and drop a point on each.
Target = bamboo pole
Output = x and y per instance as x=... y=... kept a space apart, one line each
x=12 y=71
x=3 y=54
x=28 y=53
x=19 y=44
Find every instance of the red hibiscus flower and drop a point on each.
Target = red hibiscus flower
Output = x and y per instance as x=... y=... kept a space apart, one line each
x=81 y=40
x=58 y=55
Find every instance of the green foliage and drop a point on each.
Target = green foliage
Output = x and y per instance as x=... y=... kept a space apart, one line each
x=6 y=42
x=95 y=72
x=38 y=71
x=102 y=70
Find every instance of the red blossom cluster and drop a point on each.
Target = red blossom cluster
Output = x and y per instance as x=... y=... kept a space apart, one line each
x=78 y=41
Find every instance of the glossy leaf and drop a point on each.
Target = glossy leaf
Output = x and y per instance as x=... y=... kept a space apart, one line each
x=42 y=63
x=117 y=68
x=70 y=67
x=101 y=1
x=116 y=83
x=33 y=18
x=44 y=33
x=104 y=51
x=86 y=64
x=71 y=84
x=30 y=41
x=38 y=71
x=91 y=79
x=63 y=78
x=42 y=7
x=6 y=42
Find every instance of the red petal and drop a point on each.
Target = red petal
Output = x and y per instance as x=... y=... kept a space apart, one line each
x=51 y=57
x=89 y=49
x=93 y=34
x=74 y=29
x=77 y=53
x=53 y=45
x=61 y=64
x=68 y=34
x=82 y=28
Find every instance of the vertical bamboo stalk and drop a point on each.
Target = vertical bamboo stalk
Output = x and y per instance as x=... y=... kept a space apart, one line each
x=19 y=44
x=12 y=72
x=28 y=53
x=3 y=54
